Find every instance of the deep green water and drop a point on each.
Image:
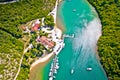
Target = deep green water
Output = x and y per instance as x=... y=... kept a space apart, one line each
x=79 y=52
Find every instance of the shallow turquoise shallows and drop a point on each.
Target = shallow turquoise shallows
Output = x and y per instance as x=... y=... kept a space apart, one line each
x=79 y=53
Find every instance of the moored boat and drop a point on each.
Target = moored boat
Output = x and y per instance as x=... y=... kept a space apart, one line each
x=89 y=69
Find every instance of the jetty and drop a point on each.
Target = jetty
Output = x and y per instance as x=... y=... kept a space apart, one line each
x=68 y=36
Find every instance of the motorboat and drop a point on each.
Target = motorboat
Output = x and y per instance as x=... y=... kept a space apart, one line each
x=50 y=74
x=51 y=69
x=55 y=71
x=51 y=78
x=72 y=71
x=89 y=69
x=56 y=66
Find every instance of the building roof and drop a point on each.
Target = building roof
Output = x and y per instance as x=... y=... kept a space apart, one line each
x=46 y=42
x=35 y=27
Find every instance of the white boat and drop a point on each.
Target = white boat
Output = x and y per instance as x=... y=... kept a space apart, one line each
x=55 y=71
x=50 y=74
x=56 y=66
x=72 y=71
x=89 y=69
x=51 y=65
x=51 y=78
x=54 y=77
x=56 y=60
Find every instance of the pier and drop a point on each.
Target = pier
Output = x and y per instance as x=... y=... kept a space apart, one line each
x=68 y=36
x=53 y=69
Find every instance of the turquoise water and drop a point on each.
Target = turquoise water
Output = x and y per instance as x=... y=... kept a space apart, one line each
x=79 y=53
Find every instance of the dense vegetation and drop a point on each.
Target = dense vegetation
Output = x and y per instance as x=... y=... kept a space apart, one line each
x=49 y=21
x=10 y=54
x=37 y=50
x=11 y=44
x=109 y=42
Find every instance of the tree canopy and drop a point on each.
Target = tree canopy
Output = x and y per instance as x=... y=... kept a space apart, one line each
x=49 y=21
x=109 y=42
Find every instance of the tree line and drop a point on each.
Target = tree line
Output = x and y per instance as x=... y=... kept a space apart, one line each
x=109 y=42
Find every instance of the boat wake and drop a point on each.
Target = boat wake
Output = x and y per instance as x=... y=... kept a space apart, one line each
x=84 y=43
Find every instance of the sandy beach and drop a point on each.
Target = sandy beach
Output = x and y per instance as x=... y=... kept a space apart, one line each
x=41 y=60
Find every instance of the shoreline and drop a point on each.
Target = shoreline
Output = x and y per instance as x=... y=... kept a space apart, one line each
x=59 y=33
x=46 y=57
x=41 y=60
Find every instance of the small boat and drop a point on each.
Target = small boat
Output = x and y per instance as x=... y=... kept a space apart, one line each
x=89 y=69
x=72 y=71
x=54 y=77
x=56 y=67
x=56 y=60
x=51 y=78
x=55 y=71
x=57 y=63
x=51 y=65
x=51 y=69
x=74 y=10
x=50 y=74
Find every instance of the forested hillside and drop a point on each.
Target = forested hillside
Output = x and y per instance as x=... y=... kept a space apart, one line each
x=109 y=42
x=11 y=46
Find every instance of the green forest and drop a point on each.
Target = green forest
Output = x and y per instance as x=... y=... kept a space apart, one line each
x=109 y=42
x=49 y=21
x=11 y=45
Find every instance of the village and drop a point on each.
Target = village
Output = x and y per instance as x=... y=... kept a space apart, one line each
x=45 y=39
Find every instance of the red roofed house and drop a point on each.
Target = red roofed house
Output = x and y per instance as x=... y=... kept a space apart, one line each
x=35 y=27
x=46 y=42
